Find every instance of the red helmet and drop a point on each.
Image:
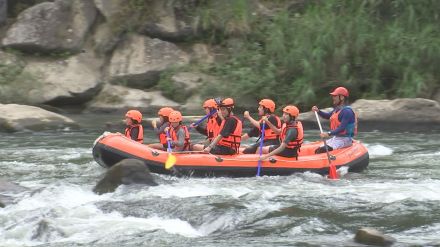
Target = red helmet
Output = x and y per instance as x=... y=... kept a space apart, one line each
x=210 y=103
x=165 y=111
x=135 y=115
x=340 y=91
x=268 y=103
x=228 y=102
x=292 y=110
x=175 y=117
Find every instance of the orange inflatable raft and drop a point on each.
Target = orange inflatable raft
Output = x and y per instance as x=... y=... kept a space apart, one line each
x=111 y=148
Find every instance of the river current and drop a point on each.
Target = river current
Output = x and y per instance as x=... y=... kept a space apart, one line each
x=398 y=194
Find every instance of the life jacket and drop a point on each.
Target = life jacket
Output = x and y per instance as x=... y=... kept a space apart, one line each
x=212 y=127
x=173 y=135
x=140 y=137
x=350 y=130
x=269 y=134
x=163 y=135
x=234 y=139
x=299 y=138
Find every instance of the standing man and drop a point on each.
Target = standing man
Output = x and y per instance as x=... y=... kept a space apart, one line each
x=343 y=121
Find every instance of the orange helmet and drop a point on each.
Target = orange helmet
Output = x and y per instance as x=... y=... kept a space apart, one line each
x=268 y=103
x=135 y=115
x=165 y=111
x=210 y=103
x=340 y=91
x=228 y=102
x=175 y=117
x=292 y=110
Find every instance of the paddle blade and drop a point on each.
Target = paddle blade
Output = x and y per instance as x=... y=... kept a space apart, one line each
x=171 y=160
x=332 y=173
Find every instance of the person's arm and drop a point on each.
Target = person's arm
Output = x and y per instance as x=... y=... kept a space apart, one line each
x=244 y=137
x=201 y=130
x=227 y=129
x=325 y=115
x=346 y=116
x=254 y=122
x=272 y=126
x=134 y=133
x=160 y=129
x=254 y=132
x=180 y=140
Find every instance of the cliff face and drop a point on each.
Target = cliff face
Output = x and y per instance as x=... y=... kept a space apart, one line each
x=65 y=52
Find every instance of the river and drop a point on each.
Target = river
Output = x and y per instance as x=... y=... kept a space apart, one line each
x=398 y=194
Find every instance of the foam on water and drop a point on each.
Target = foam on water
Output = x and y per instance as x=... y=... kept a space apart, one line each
x=378 y=150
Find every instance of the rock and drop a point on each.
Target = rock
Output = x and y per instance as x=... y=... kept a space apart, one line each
x=20 y=117
x=9 y=188
x=127 y=171
x=371 y=236
x=109 y=8
x=105 y=39
x=3 y=11
x=391 y=115
x=171 y=21
x=75 y=80
x=138 y=61
x=59 y=26
x=185 y=84
x=119 y=98
x=201 y=54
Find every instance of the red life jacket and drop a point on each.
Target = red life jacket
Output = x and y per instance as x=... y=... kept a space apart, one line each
x=163 y=135
x=268 y=132
x=299 y=138
x=173 y=135
x=140 y=137
x=234 y=139
x=212 y=127
x=350 y=130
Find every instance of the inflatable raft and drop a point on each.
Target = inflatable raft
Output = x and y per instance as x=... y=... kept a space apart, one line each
x=111 y=148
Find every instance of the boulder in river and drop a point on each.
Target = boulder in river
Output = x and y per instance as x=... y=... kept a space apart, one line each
x=127 y=171
x=15 y=117
x=372 y=236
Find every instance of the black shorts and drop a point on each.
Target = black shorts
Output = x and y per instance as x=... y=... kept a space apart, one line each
x=217 y=149
x=253 y=148
x=287 y=152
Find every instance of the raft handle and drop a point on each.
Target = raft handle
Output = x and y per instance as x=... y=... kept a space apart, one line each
x=154 y=153
x=218 y=159
x=332 y=157
x=272 y=160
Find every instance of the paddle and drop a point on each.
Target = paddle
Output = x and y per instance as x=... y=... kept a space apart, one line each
x=171 y=160
x=205 y=117
x=332 y=174
x=261 y=148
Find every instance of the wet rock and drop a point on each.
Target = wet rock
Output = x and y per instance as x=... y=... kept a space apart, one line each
x=118 y=98
x=59 y=26
x=372 y=236
x=3 y=11
x=61 y=82
x=138 y=61
x=391 y=115
x=44 y=232
x=128 y=171
x=15 y=117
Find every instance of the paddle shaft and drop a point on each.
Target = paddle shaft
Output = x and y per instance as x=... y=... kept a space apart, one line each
x=325 y=145
x=205 y=117
x=261 y=148
x=168 y=142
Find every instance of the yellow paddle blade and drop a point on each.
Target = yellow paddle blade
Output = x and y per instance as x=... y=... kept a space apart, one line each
x=171 y=160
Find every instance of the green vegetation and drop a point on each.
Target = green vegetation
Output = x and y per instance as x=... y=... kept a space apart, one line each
x=378 y=49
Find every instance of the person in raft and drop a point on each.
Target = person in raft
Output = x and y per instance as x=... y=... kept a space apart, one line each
x=159 y=128
x=134 y=129
x=343 y=122
x=266 y=109
x=178 y=133
x=212 y=127
x=291 y=135
x=229 y=139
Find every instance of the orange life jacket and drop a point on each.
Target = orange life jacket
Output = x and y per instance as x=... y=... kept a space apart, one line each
x=173 y=135
x=299 y=138
x=212 y=127
x=163 y=135
x=268 y=132
x=350 y=130
x=234 y=139
x=140 y=137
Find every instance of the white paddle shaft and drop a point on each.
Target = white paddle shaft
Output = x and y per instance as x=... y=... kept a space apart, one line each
x=319 y=122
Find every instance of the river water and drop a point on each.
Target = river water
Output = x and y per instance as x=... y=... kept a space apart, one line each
x=398 y=194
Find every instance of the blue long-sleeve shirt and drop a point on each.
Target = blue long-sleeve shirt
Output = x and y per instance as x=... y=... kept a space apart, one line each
x=346 y=117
